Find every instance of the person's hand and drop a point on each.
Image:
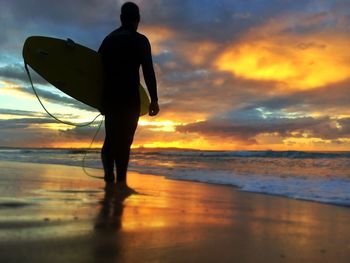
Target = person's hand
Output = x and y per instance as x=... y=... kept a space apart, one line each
x=153 y=108
x=101 y=110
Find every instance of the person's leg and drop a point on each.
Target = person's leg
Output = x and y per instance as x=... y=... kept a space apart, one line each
x=125 y=138
x=107 y=152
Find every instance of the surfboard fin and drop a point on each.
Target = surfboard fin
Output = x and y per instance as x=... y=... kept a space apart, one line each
x=70 y=42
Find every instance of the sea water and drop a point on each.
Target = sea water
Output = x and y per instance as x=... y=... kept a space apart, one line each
x=316 y=176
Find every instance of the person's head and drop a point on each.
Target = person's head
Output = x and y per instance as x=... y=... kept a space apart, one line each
x=130 y=15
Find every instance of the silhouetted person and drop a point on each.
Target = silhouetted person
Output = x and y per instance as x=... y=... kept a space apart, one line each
x=123 y=52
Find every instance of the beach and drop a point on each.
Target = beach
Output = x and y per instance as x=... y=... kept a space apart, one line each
x=56 y=213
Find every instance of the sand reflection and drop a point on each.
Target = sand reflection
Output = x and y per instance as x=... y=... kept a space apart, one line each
x=109 y=221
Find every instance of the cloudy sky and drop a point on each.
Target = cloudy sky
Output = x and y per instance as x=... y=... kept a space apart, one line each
x=232 y=74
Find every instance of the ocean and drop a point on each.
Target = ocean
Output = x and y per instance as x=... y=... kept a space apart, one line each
x=315 y=176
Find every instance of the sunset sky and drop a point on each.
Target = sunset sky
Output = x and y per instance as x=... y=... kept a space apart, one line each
x=232 y=74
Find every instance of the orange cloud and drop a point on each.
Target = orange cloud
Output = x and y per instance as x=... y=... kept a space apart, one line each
x=197 y=53
x=157 y=35
x=300 y=62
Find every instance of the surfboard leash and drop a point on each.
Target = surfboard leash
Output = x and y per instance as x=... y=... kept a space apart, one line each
x=68 y=123
x=90 y=146
x=50 y=114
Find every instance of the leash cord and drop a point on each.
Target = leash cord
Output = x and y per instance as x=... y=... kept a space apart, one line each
x=68 y=123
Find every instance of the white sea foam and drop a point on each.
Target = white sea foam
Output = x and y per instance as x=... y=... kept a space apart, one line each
x=325 y=190
x=321 y=177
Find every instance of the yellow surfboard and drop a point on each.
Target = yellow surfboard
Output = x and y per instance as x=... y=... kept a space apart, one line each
x=72 y=68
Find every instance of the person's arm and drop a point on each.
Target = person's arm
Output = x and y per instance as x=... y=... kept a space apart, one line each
x=150 y=79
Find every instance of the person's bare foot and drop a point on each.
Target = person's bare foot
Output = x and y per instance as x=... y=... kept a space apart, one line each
x=123 y=189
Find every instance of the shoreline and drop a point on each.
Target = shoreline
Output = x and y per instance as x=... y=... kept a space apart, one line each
x=55 y=213
x=235 y=187
x=172 y=149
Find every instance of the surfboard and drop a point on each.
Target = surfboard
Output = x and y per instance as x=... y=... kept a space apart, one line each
x=72 y=68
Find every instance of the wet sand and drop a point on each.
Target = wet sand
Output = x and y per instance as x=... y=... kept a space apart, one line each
x=55 y=213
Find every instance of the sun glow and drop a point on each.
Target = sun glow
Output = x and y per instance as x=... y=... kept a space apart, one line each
x=193 y=143
x=74 y=144
x=159 y=125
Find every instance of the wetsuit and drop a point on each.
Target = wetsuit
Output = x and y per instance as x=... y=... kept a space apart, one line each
x=123 y=52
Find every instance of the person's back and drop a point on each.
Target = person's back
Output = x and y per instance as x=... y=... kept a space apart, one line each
x=123 y=52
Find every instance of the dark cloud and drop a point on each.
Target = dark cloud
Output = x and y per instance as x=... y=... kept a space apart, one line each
x=64 y=12
x=84 y=133
x=30 y=132
x=332 y=98
x=57 y=98
x=85 y=21
x=324 y=128
x=30 y=137
x=17 y=73
x=21 y=113
x=88 y=21
x=215 y=94
x=216 y=20
x=23 y=123
x=34 y=115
